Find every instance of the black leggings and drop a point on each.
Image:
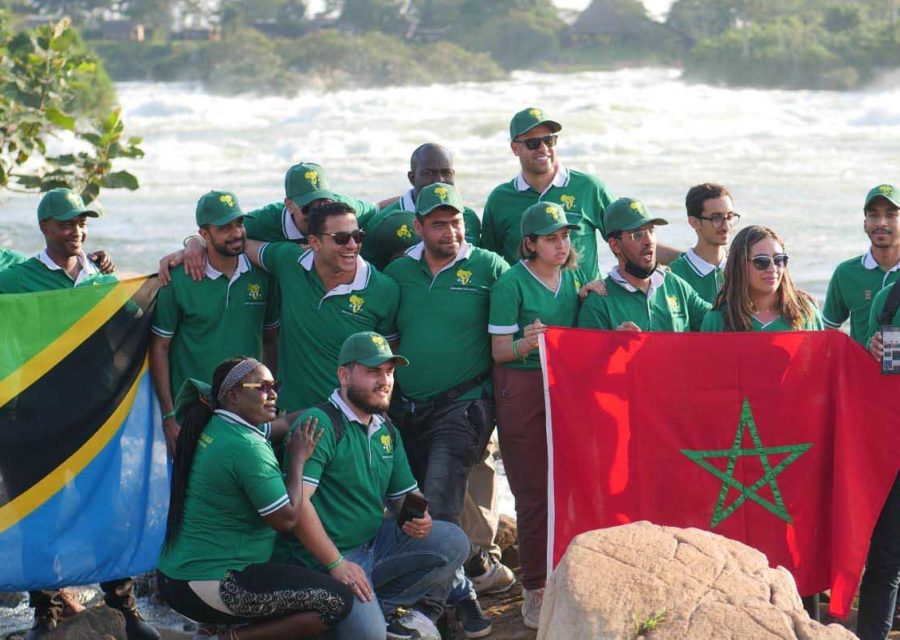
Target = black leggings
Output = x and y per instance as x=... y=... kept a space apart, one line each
x=261 y=591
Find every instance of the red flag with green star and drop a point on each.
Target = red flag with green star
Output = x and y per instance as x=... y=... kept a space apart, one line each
x=784 y=441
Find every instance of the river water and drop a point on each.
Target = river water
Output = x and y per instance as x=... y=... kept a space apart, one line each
x=800 y=162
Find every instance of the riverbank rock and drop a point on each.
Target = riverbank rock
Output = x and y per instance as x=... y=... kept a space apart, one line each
x=666 y=583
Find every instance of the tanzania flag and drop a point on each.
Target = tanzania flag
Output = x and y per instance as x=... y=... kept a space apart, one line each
x=83 y=471
x=784 y=441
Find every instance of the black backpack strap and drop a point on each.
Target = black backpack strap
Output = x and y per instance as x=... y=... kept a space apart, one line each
x=336 y=417
x=891 y=304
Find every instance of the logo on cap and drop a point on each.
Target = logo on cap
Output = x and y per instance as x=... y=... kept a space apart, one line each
x=463 y=276
x=536 y=113
x=442 y=193
x=227 y=199
x=886 y=189
x=555 y=213
x=637 y=206
x=386 y=444
x=404 y=232
x=568 y=201
x=254 y=291
x=380 y=342
x=313 y=178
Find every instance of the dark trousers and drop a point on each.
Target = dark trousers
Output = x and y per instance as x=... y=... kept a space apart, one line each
x=878 y=591
x=48 y=603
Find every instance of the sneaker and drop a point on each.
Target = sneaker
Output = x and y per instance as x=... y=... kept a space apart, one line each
x=472 y=619
x=497 y=579
x=531 y=607
x=409 y=624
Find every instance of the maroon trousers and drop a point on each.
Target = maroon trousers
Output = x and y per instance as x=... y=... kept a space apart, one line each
x=521 y=426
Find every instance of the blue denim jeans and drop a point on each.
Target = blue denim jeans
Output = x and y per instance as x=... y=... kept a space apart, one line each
x=404 y=572
x=878 y=591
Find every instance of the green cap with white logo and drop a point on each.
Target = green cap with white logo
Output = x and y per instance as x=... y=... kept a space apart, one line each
x=217 y=208
x=63 y=204
x=528 y=119
x=306 y=182
x=627 y=214
x=887 y=191
x=439 y=194
x=370 y=349
x=544 y=218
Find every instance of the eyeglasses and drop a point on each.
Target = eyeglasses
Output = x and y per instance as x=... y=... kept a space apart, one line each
x=343 y=237
x=533 y=144
x=266 y=386
x=763 y=262
x=718 y=221
x=638 y=235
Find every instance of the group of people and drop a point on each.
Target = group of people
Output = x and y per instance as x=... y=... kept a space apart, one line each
x=332 y=502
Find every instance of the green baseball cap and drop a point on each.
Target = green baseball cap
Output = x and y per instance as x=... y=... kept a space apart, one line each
x=627 y=214
x=217 y=208
x=528 y=119
x=306 y=182
x=887 y=191
x=369 y=349
x=396 y=233
x=63 y=204
x=544 y=218
x=191 y=391
x=439 y=194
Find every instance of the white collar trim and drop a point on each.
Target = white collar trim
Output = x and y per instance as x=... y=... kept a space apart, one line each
x=233 y=417
x=555 y=292
x=242 y=267
x=656 y=280
x=701 y=266
x=86 y=267
x=360 y=280
x=560 y=180
x=291 y=232
x=868 y=261
x=338 y=402
x=408 y=201
x=417 y=252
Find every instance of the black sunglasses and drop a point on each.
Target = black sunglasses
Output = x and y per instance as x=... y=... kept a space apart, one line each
x=533 y=144
x=266 y=386
x=764 y=262
x=343 y=237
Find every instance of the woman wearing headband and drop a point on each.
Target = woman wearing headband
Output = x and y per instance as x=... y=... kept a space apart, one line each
x=759 y=294
x=228 y=500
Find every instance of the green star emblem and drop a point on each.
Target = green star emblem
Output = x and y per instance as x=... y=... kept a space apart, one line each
x=777 y=507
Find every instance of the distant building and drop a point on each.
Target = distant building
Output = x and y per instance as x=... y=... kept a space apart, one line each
x=212 y=34
x=122 y=31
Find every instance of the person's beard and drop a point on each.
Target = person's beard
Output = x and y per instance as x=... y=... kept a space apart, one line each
x=363 y=400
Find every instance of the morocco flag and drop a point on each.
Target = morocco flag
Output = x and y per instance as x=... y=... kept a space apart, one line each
x=788 y=442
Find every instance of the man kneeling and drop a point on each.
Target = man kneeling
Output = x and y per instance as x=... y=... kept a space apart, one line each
x=400 y=575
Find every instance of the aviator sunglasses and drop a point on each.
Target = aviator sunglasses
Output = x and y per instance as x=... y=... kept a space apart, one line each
x=266 y=386
x=533 y=144
x=343 y=237
x=763 y=262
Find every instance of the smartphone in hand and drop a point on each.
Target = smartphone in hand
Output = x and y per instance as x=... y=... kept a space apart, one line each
x=414 y=506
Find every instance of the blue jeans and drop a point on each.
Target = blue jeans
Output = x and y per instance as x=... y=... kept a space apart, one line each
x=878 y=591
x=403 y=572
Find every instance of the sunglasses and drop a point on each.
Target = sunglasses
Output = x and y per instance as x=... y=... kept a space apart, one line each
x=343 y=237
x=761 y=263
x=533 y=144
x=266 y=386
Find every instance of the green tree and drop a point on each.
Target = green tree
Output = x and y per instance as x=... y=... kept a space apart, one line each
x=40 y=77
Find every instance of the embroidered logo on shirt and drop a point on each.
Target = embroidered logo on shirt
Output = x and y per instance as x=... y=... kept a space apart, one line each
x=463 y=276
x=568 y=201
x=442 y=193
x=386 y=444
x=404 y=232
x=254 y=291
x=356 y=303
x=577 y=285
x=226 y=199
x=674 y=305
x=313 y=178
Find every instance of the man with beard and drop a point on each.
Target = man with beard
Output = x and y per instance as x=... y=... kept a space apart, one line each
x=641 y=295
x=711 y=214
x=391 y=231
x=197 y=325
x=328 y=293
x=400 y=574
x=857 y=281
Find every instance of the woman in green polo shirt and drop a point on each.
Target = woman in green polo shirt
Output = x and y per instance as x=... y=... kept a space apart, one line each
x=539 y=290
x=228 y=501
x=758 y=293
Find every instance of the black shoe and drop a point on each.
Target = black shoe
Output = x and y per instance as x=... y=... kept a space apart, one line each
x=136 y=628
x=472 y=619
x=410 y=624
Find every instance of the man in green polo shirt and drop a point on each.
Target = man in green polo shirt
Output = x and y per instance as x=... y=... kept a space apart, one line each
x=710 y=212
x=858 y=280
x=641 y=295
x=328 y=293
x=445 y=410
x=391 y=231
x=232 y=311
x=401 y=574
x=63 y=219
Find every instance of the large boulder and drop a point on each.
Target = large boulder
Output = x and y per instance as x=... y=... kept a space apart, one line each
x=668 y=583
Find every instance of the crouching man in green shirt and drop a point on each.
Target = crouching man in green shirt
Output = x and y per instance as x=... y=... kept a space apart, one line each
x=642 y=296
x=400 y=575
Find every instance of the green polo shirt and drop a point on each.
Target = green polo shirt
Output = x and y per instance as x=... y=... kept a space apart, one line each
x=671 y=304
x=352 y=480
x=877 y=307
x=443 y=320
x=8 y=258
x=519 y=298
x=42 y=274
x=705 y=278
x=714 y=321
x=853 y=286
x=315 y=322
x=273 y=222
x=214 y=319
x=234 y=483
x=583 y=196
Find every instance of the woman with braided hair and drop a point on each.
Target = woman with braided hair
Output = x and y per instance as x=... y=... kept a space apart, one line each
x=228 y=500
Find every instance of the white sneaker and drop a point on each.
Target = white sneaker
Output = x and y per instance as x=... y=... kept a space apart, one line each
x=497 y=579
x=531 y=607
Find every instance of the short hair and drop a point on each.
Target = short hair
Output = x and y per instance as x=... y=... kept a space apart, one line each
x=317 y=215
x=698 y=194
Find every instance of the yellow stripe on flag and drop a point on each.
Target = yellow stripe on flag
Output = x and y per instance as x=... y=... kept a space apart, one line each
x=51 y=355
x=46 y=488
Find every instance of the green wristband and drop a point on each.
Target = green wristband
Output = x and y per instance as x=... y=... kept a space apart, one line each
x=166 y=416
x=339 y=560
